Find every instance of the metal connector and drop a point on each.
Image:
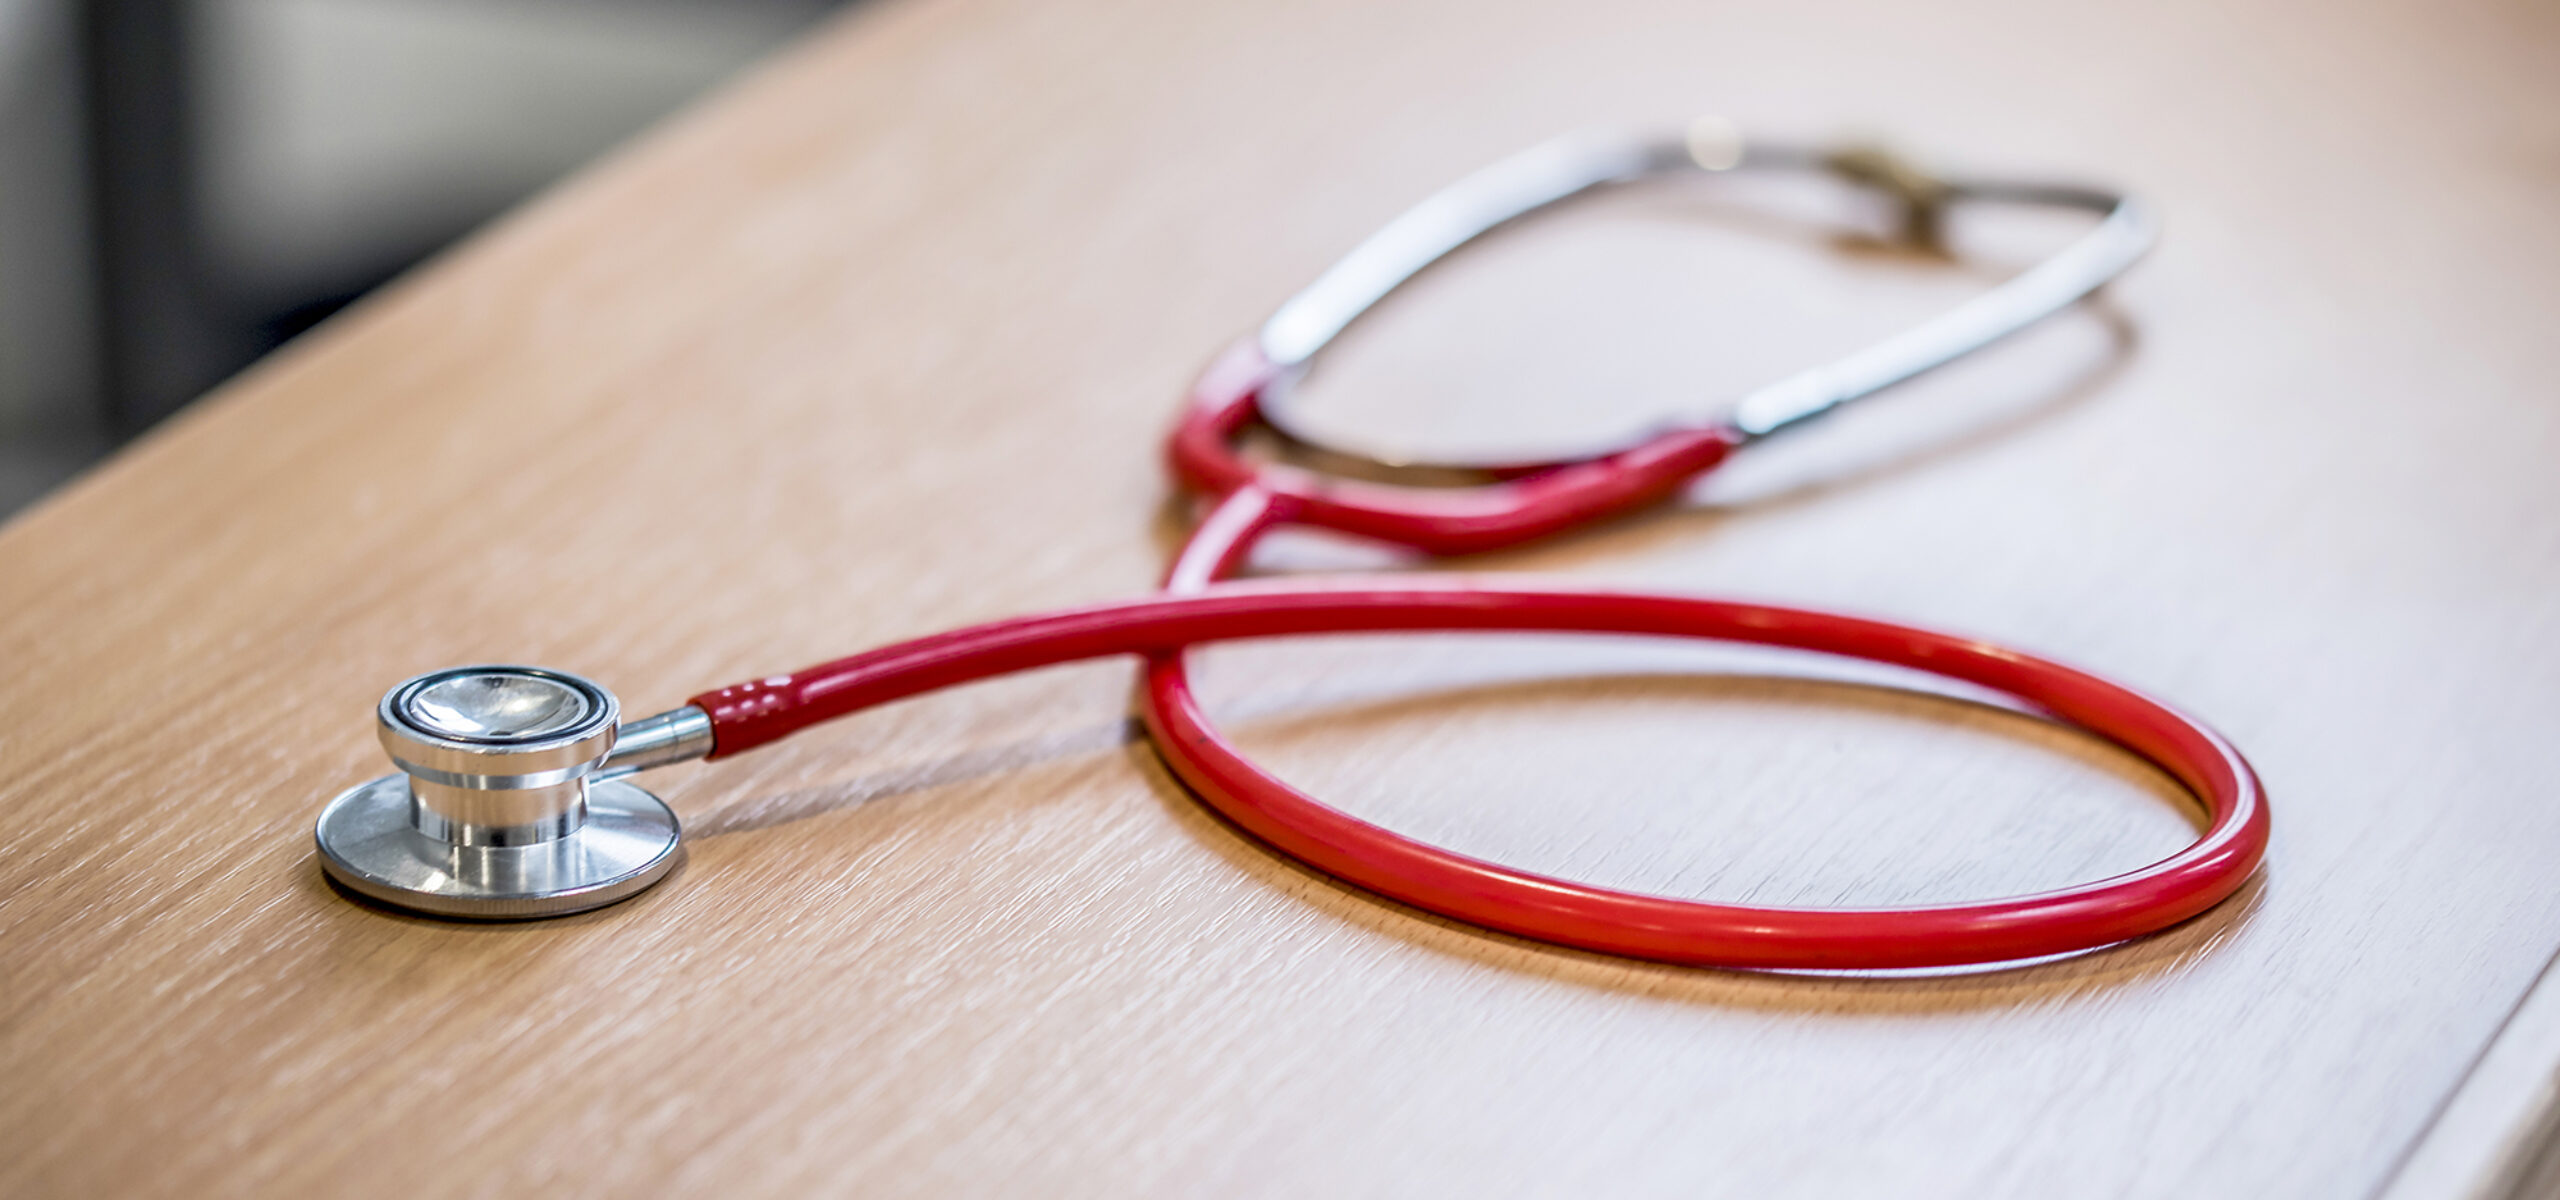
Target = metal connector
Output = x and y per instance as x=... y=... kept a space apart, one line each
x=674 y=736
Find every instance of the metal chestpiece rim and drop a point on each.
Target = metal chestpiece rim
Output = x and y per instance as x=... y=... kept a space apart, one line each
x=495 y=813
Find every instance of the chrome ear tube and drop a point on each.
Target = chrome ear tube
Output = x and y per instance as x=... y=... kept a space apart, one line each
x=510 y=800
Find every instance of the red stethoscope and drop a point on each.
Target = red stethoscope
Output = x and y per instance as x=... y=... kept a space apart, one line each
x=512 y=800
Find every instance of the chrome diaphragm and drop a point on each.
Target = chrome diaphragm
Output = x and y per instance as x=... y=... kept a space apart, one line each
x=505 y=806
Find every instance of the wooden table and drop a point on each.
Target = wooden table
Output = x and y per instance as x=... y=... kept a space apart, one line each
x=882 y=339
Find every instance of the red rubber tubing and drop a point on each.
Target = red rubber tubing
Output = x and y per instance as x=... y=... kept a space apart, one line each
x=1433 y=520
x=1196 y=608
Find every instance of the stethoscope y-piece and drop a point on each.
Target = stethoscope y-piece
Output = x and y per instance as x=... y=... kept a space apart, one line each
x=511 y=800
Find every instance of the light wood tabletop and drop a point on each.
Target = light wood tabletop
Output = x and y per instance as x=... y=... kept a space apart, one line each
x=883 y=339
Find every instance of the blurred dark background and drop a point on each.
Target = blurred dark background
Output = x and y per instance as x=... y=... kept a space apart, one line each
x=186 y=184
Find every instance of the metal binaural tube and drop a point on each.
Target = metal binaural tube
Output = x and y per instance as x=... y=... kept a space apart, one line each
x=1570 y=166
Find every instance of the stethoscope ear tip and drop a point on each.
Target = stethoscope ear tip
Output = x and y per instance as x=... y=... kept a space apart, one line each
x=499 y=812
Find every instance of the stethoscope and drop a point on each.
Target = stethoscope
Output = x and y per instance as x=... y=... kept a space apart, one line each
x=514 y=797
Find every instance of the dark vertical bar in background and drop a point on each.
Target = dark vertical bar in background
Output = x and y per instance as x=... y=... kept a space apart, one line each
x=171 y=322
x=162 y=336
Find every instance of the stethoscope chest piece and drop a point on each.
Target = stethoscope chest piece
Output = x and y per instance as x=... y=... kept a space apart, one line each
x=498 y=811
x=510 y=801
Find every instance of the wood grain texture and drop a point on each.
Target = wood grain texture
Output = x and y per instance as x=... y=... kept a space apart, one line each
x=882 y=340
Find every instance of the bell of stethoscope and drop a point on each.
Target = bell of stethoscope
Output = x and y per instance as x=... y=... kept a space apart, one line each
x=510 y=801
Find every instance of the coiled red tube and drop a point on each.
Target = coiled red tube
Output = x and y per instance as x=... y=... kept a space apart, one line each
x=1196 y=608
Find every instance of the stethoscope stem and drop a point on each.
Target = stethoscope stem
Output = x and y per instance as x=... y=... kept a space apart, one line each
x=680 y=734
